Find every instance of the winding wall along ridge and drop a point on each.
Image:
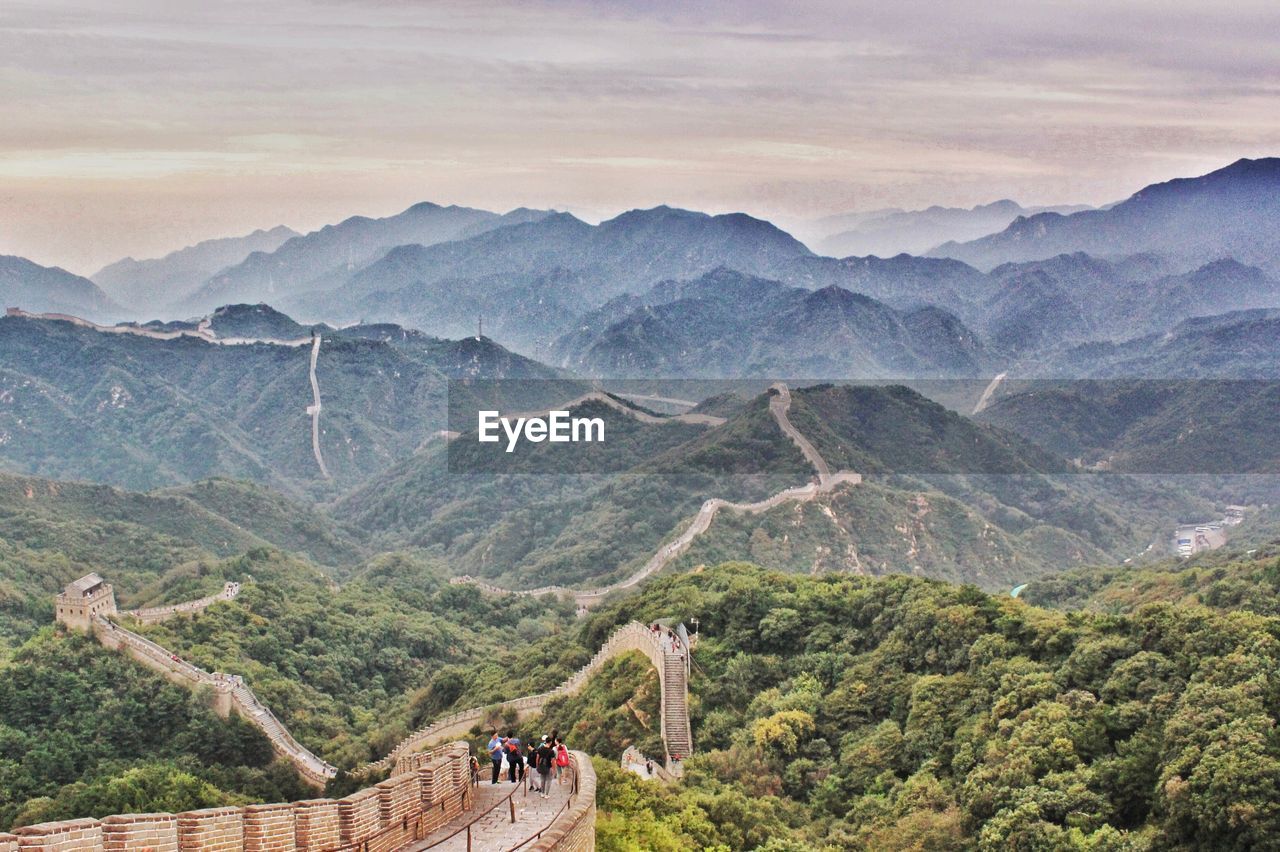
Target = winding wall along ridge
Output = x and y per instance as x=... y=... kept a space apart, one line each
x=200 y=332
x=154 y=614
x=230 y=693
x=630 y=637
x=779 y=406
x=314 y=408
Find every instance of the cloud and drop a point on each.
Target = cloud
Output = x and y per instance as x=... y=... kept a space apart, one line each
x=778 y=107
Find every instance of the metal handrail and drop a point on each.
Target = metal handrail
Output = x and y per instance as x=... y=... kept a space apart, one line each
x=573 y=791
x=515 y=788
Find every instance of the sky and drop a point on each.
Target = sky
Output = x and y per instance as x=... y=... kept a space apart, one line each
x=134 y=128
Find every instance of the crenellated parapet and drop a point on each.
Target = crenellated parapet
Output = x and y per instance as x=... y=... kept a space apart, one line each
x=388 y=816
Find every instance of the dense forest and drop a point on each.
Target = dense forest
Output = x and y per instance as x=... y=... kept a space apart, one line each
x=87 y=732
x=840 y=712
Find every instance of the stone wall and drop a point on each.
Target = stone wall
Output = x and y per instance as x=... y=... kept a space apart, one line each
x=151 y=615
x=382 y=818
x=228 y=693
x=629 y=637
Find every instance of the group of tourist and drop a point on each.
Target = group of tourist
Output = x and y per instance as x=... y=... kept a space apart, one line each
x=534 y=761
x=672 y=640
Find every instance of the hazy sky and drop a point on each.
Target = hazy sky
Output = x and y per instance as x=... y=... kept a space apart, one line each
x=138 y=127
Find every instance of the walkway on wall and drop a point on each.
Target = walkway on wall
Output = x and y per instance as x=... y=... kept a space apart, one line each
x=779 y=407
x=236 y=694
x=504 y=816
x=314 y=408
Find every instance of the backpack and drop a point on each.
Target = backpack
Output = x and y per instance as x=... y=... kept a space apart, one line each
x=562 y=756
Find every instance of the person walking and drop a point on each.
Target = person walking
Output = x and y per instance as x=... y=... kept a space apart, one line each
x=496 y=749
x=562 y=760
x=531 y=761
x=546 y=758
x=515 y=760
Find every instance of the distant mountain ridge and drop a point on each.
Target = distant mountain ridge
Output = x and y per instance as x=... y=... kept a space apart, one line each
x=336 y=250
x=143 y=285
x=532 y=278
x=51 y=289
x=726 y=324
x=890 y=232
x=1229 y=212
x=142 y=412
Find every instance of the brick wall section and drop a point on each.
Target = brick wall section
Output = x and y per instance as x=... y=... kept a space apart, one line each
x=359 y=816
x=378 y=819
x=270 y=828
x=74 y=835
x=317 y=826
x=140 y=833
x=211 y=830
x=399 y=798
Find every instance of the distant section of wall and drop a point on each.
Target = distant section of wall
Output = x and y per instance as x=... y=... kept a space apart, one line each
x=228 y=692
x=385 y=817
x=151 y=615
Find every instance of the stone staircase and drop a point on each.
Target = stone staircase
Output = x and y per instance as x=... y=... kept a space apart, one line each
x=675 y=705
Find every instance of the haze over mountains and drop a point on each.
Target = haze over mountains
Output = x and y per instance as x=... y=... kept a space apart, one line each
x=633 y=293
x=1177 y=281
x=889 y=232
x=1191 y=221
x=50 y=289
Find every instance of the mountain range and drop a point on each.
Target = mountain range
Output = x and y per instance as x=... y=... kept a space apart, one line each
x=308 y=261
x=170 y=279
x=144 y=412
x=1190 y=220
x=886 y=233
x=50 y=289
x=726 y=324
x=606 y=299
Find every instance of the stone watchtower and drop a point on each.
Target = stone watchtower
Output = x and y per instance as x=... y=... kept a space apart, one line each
x=87 y=597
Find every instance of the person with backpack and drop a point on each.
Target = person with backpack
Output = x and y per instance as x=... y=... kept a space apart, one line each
x=546 y=757
x=562 y=760
x=515 y=760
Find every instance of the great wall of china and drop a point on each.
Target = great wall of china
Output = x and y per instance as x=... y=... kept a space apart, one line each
x=204 y=333
x=152 y=615
x=428 y=791
x=671 y=662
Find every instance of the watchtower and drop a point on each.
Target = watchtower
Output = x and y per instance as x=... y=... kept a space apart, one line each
x=87 y=597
